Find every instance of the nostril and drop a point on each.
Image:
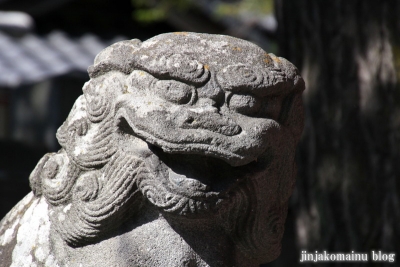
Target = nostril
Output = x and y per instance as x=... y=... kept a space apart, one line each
x=189 y=120
x=229 y=130
x=205 y=119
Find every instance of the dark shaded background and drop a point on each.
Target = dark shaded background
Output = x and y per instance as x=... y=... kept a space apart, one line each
x=347 y=194
x=26 y=138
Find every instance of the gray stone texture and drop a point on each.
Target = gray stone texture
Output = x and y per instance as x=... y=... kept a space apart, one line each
x=180 y=152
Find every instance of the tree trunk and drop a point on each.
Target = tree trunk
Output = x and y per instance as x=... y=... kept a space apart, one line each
x=347 y=195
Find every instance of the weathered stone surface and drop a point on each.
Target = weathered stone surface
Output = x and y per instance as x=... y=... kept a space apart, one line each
x=180 y=152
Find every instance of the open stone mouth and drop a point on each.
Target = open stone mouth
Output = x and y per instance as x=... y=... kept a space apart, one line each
x=205 y=174
x=183 y=147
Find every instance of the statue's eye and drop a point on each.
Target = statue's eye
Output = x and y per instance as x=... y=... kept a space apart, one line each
x=244 y=104
x=174 y=91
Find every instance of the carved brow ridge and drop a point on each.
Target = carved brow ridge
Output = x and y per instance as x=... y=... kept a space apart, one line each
x=175 y=66
x=170 y=65
x=242 y=78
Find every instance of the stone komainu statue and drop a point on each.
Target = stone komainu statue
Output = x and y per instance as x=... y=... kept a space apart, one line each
x=180 y=152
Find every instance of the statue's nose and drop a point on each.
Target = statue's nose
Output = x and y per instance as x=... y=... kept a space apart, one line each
x=207 y=119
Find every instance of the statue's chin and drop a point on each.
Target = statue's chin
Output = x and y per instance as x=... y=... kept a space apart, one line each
x=259 y=244
x=273 y=253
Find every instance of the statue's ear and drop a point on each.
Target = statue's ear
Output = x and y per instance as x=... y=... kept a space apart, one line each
x=35 y=181
x=115 y=57
x=292 y=112
x=292 y=115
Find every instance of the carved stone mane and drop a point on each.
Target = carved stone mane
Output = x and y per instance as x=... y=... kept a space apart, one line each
x=180 y=152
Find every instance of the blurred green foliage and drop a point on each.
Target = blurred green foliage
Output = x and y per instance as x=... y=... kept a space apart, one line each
x=147 y=11
x=253 y=7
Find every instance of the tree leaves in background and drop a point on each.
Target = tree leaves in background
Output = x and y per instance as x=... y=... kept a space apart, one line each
x=157 y=10
x=251 y=7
